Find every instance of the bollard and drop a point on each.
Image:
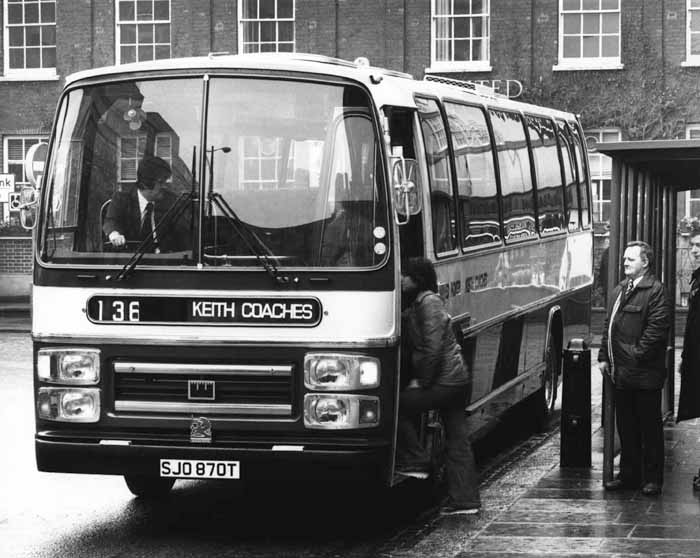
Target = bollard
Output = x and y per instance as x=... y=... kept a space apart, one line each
x=575 y=448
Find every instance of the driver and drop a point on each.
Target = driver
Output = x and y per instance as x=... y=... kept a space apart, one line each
x=133 y=215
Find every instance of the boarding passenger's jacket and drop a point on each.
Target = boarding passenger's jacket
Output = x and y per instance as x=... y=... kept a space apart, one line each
x=638 y=335
x=436 y=357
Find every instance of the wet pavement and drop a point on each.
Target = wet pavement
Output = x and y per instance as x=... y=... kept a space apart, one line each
x=533 y=507
x=538 y=508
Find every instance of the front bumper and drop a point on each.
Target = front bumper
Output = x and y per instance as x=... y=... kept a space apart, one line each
x=144 y=458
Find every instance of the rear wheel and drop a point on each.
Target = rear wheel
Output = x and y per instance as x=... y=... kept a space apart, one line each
x=149 y=486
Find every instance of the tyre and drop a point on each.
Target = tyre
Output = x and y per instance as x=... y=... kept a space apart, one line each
x=148 y=486
x=546 y=396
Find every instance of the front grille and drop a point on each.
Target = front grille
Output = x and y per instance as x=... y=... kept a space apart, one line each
x=232 y=390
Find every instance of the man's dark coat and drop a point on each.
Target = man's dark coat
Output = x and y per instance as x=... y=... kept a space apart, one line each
x=689 y=400
x=639 y=335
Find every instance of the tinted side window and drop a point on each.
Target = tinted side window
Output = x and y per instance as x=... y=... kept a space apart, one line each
x=566 y=149
x=516 y=180
x=550 y=195
x=438 y=157
x=477 y=201
x=582 y=178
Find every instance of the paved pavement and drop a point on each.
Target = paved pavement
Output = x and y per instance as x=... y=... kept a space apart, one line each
x=537 y=508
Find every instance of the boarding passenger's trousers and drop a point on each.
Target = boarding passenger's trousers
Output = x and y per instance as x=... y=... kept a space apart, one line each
x=462 y=477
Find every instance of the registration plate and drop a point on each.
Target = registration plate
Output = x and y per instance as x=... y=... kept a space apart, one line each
x=199 y=469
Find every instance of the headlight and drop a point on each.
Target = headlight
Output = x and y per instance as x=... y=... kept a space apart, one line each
x=69 y=366
x=340 y=411
x=69 y=404
x=336 y=372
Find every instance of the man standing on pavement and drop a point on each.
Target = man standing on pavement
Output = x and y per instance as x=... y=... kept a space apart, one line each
x=632 y=352
x=689 y=400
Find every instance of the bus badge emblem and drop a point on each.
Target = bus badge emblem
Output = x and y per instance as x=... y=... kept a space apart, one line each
x=200 y=431
x=201 y=390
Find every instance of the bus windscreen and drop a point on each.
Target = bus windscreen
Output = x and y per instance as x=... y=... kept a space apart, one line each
x=296 y=163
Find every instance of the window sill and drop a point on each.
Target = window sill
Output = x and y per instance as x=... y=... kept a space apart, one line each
x=31 y=76
x=586 y=66
x=458 y=67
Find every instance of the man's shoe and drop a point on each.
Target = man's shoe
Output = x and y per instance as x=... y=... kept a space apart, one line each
x=618 y=484
x=459 y=509
x=651 y=489
x=421 y=472
x=696 y=481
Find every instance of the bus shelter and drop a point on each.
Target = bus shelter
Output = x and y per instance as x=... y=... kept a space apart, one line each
x=646 y=177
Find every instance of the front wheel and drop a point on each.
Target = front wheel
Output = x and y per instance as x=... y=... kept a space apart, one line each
x=148 y=486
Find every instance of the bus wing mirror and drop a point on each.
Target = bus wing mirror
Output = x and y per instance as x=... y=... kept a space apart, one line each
x=28 y=201
x=407 y=196
x=34 y=162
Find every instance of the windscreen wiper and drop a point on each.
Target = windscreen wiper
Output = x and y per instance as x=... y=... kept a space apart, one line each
x=257 y=247
x=160 y=231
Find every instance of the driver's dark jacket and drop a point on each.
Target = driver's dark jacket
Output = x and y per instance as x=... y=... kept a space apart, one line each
x=124 y=216
x=639 y=335
x=436 y=357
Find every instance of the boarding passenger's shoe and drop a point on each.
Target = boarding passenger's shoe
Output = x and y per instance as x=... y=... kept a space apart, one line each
x=651 y=489
x=415 y=471
x=450 y=508
x=620 y=484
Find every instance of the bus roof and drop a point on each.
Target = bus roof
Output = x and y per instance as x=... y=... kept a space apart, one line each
x=388 y=87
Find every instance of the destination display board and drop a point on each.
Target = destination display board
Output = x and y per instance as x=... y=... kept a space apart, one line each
x=296 y=311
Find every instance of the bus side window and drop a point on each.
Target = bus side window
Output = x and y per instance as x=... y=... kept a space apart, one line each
x=441 y=191
x=550 y=194
x=476 y=177
x=566 y=150
x=584 y=193
x=405 y=131
x=516 y=176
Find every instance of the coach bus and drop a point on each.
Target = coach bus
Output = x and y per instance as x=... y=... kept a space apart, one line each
x=268 y=341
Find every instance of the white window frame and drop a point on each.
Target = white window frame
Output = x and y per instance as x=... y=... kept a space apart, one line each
x=458 y=65
x=589 y=63
x=117 y=32
x=35 y=138
x=690 y=58
x=598 y=134
x=121 y=178
x=6 y=152
x=23 y=74
x=243 y=21
x=687 y=195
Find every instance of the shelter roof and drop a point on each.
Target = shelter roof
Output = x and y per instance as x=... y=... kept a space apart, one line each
x=675 y=162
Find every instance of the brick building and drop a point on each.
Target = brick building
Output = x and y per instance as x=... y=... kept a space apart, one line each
x=630 y=68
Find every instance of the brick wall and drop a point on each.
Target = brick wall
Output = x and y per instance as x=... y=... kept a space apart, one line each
x=15 y=255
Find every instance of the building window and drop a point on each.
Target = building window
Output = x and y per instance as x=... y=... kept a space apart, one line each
x=14 y=151
x=131 y=151
x=692 y=33
x=30 y=39
x=266 y=26
x=143 y=30
x=589 y=35
x=601 y=172
x=460 y=35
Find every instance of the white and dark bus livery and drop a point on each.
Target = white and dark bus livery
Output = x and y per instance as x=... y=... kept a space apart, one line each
x=269 y=340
